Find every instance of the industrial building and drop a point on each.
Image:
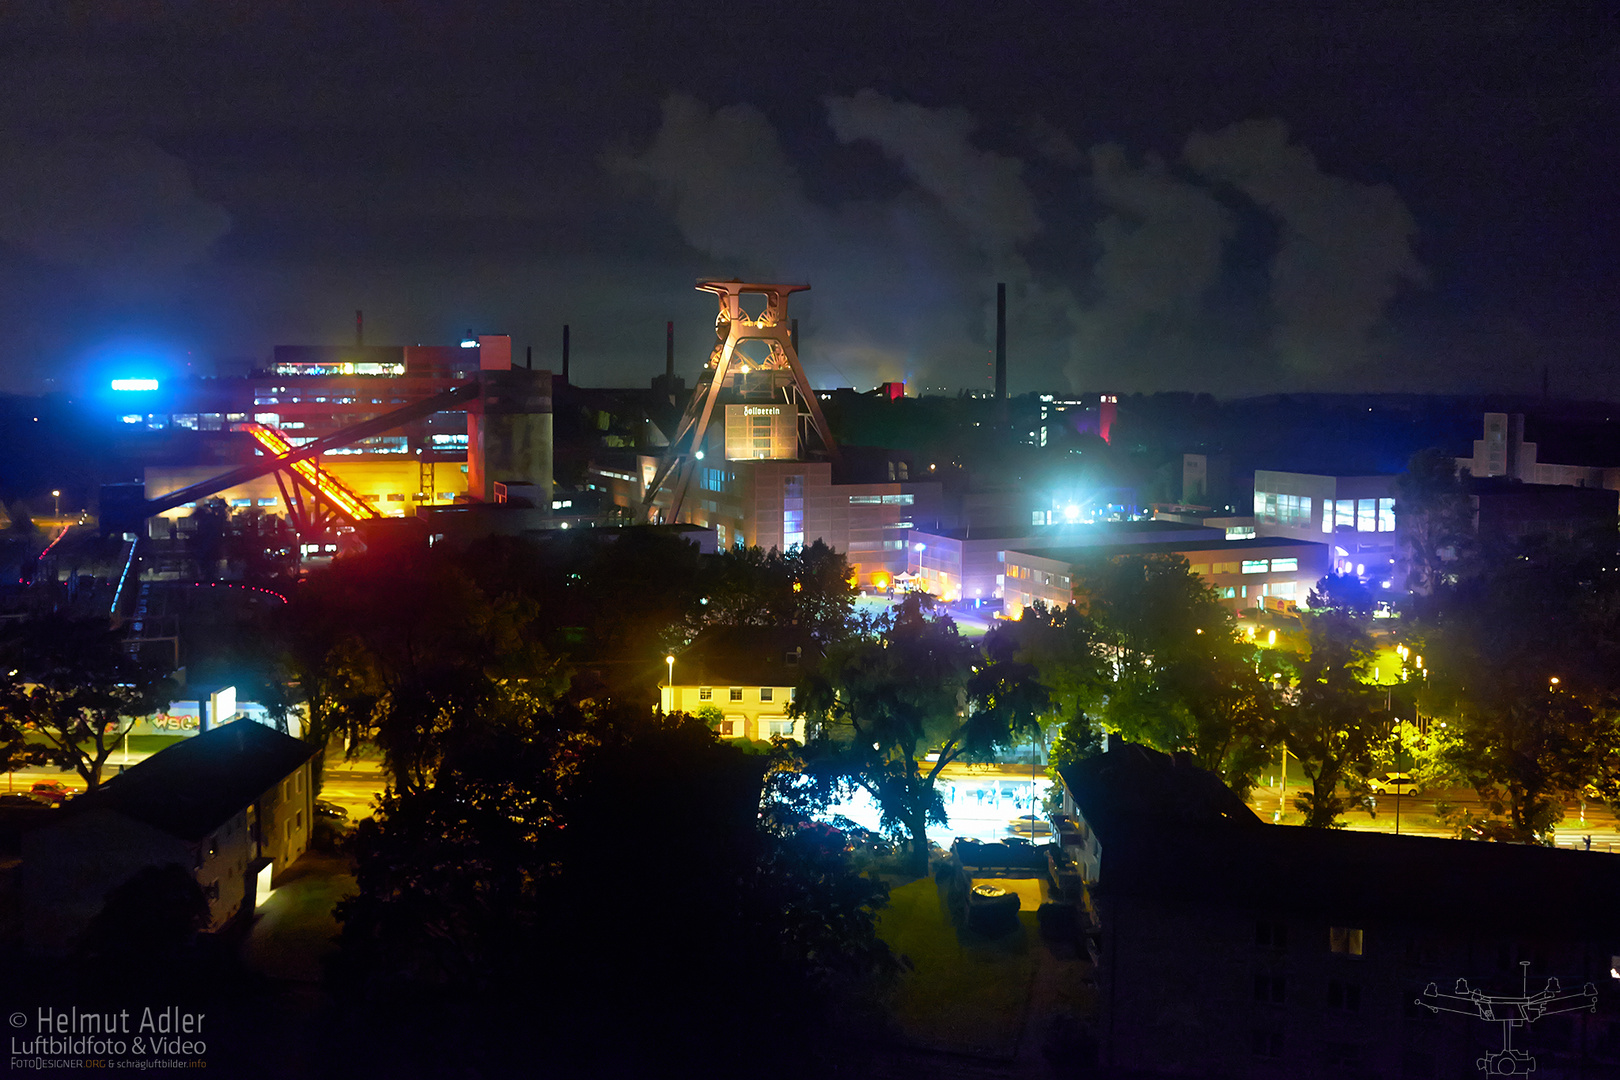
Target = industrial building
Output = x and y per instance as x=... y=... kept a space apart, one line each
x=1275 y=573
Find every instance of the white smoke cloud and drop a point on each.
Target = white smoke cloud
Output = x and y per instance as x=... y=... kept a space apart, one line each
x=1161 y=245
x=905 y=284
x=982 y=190
x=121 y=210
x=1346 y=247
x=902 y=286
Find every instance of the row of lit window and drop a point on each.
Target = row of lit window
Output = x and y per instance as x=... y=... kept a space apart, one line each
x=886 y=500
x=766 y=693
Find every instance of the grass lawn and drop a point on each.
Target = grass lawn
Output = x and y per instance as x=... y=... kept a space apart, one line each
x=966 y=993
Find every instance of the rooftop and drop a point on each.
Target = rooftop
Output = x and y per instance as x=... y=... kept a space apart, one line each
x=1172 y=547
x=745 y=656
x=1171 y=831
x=1099 y=531
x=195 y=786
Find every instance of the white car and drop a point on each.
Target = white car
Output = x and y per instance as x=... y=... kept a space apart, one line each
x=1393 y=784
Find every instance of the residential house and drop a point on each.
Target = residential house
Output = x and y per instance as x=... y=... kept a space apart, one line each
x=234 y=805
x=1236 y=948
x=749 y=674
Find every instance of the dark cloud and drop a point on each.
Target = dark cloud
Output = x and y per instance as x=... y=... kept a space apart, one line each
x=1346 y=246
x=120 y=210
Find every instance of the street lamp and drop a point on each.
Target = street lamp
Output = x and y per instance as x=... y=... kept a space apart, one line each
x=670 y=660
x=57 y=495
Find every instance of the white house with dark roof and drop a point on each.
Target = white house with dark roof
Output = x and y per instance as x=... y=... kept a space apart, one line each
x=233 y=805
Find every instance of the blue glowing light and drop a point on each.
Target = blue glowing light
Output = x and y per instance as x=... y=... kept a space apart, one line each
x=133 y=385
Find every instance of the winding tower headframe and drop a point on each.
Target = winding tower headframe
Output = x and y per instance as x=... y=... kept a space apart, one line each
x=733 y=327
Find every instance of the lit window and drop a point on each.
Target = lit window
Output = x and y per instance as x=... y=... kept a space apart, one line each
x=1386 y=515
x=705 y=693
x=268 y=502
x=779 y=729
x=1255 y=566
x=396 y=496
x=1344 y=940
x=1367 y=515
x=736 y=693
x=1280 y=565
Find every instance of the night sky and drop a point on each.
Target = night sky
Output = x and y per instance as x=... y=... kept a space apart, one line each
x=1351 y=196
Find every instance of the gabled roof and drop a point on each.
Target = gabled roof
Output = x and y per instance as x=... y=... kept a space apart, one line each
x=192 y=788
x=746 y=656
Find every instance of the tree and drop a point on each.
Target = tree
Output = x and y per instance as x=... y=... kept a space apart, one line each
x=70 y=682
x=1153 y=645
x=1436 y=520
x=515 y=861
x=809 y=587
x=1337 y=719
x=1522 y=668
x=406 y=651
x=903 y=689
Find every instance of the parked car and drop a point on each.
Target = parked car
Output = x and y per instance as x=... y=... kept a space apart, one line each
x=331 y=811
x=1025 y=826
x=53 y=792
x=1393 y=784
x=18 y=798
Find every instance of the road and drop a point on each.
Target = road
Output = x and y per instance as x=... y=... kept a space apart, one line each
x=1419 y=816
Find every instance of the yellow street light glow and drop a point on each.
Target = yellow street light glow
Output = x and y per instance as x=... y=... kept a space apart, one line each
x=1554 y=680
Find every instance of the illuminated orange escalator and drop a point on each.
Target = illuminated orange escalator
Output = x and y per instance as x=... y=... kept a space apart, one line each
x=336 y=493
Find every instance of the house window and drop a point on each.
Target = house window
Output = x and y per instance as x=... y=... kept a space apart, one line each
x=1267 y=1044
x=1344 y=940
x=1346 y=996
x=765 y=692
x=736 y=693
x=1256 y=566
x=779 y=729
x=705 y=693
x=300 y=819
x=289 y=828
x=298 y=782
x=728 y=728
x=1270 y=935
x=1268 y=988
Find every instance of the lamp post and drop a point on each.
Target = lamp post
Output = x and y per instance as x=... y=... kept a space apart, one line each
x=670 y=660
x=57 y=495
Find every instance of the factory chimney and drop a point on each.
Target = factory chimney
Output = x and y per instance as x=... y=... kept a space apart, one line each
x=1001 y=346
x=359 y=329
x=565 y=354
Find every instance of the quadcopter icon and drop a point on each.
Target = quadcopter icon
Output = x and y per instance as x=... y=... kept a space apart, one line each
x=1510 y=1012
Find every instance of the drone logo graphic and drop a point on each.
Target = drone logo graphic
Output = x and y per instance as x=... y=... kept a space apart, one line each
x=1510 y=1012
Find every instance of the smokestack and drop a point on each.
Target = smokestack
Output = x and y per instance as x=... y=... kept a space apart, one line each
x=528 y=357
x=793 y=333
x=1001 y=341
x=669 y=357
x=565 y=353
x=359 y=328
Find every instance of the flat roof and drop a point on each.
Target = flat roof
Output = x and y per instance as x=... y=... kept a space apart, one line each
x=1169 y=547
x=1019 y=532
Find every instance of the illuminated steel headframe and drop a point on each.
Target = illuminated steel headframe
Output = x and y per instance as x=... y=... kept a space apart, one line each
x=732 y=327
x=327 y=491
